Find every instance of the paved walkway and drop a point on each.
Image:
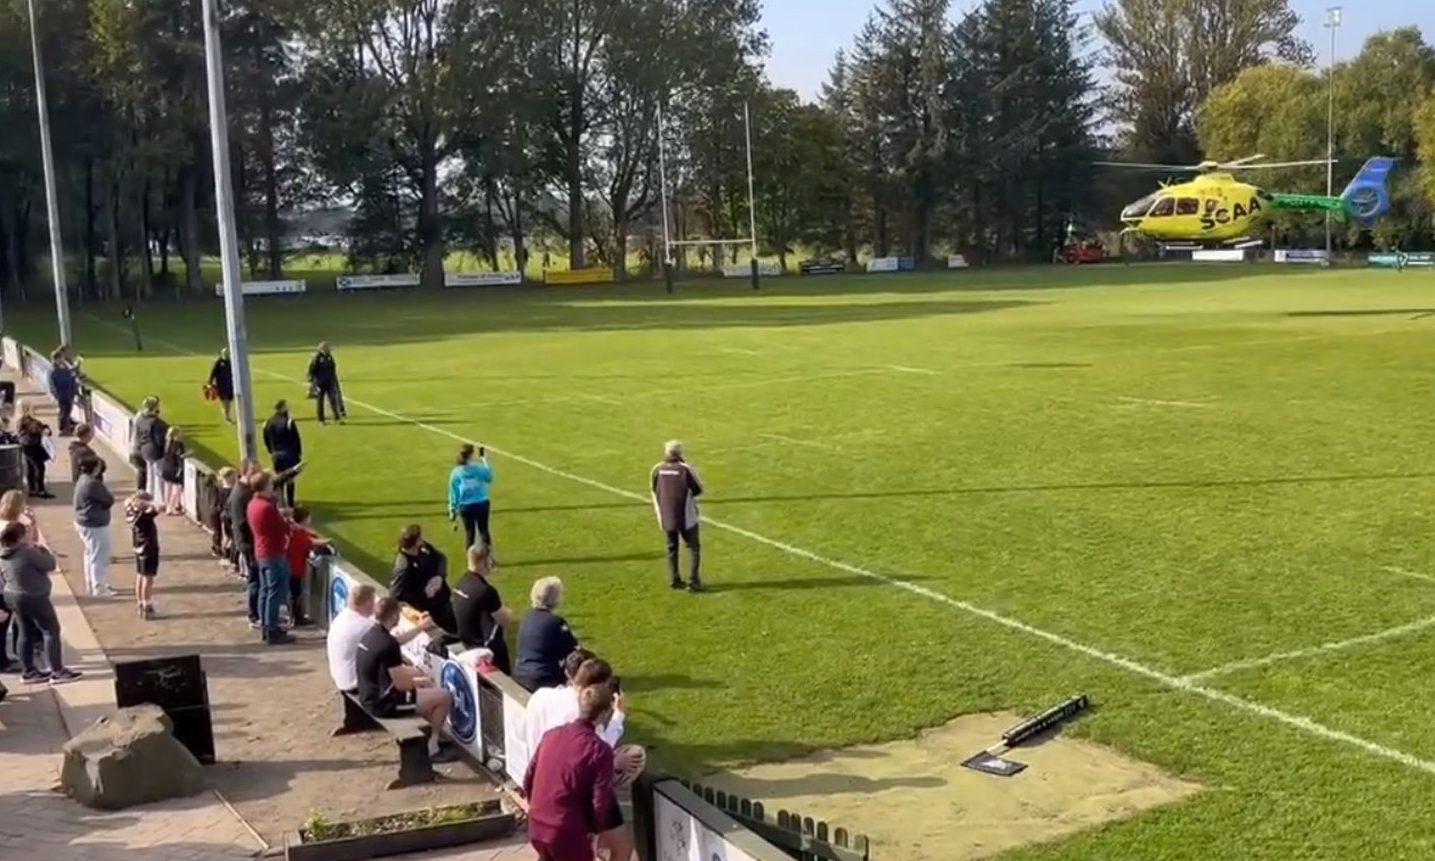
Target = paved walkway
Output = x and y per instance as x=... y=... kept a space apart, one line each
x=273 y=709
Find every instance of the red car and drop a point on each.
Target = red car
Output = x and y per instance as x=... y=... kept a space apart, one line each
x=1090 y=251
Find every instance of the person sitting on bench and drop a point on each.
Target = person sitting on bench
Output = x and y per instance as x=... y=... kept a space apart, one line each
x=389 y=688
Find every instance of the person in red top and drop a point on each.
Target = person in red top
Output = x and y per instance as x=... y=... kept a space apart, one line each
x=302 y=542
x=271 y=546
x=569 y=783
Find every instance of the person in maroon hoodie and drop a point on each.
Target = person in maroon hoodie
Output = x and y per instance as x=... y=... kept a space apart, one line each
x=569 y=783
x=271 y=546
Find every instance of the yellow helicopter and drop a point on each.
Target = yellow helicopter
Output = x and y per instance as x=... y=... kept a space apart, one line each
x=1217 y=209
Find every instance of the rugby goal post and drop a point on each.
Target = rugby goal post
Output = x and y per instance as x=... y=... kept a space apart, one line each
x=669 y=243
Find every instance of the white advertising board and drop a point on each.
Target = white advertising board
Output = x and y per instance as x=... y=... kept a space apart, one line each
x=266 y=288
x=1218 y=255
x=110 y=421
x=375 y=282
x=191 y=490
x=957 y=261
x=12 y=354
x=37 y=368
x=482 y=279
x=1316 y=256
x=459 y=676
x=679 y=836
x=883 y=264
x=515 y=740
x=765 y=268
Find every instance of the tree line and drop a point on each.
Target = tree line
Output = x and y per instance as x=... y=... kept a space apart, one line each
x=500 y=127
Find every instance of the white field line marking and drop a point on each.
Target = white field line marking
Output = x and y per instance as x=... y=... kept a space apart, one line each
x=795 y=441
x=1322 y=649
x=602 y=400
x=907 y=369
x=740 y=351
x=1295 y=721
x=1155 y=403
x=1414 y=575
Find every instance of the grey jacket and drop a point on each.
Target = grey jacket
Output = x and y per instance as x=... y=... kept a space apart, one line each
x=25 y=570
x=92 y=502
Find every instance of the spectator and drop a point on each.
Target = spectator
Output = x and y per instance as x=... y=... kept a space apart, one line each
x=478 y=611
x=420 y=578
x=544 y=638
x=302 y=542
x=237 y=513
x=13 y=510
x=550 y=708
x=569 y=783
x=387 y=687
x=281 y=440
x=136 y=457
x=271 y=543
x=141 y=514
x=172 y=471
x=221 y=382
x=324 y=382
x=345 y=632
x=676 y=488
x=34 y=438
x=468 y=495
x=64 y=385
x=151 y=433
x=92 y=502
x=80 y=449
x=25 y=577
x=221 y=537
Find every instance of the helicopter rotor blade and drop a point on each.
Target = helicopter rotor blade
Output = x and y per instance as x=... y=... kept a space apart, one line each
x=1282 y=164
x=1242 y=162
x=1132 y=165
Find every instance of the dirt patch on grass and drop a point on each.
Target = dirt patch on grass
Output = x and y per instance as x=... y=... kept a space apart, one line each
x=916 y=802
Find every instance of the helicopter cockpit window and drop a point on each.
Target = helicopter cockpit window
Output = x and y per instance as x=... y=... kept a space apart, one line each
x=1164 y=207
x=1139 y=208
x=1188 y=206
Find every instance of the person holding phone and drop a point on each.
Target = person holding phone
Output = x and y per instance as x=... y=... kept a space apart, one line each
x=468 y=485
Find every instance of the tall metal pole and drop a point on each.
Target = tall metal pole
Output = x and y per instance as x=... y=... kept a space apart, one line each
x=751 y=196
x=52 y=203
x=228 y=234
x=663 y=179
x=1332 y=22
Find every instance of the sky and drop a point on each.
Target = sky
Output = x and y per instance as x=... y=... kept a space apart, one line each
x=805 y=34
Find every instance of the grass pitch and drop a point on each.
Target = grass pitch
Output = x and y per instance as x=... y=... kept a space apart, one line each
x=1184 y=491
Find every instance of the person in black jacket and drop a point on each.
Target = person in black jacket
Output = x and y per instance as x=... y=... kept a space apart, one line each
x=324 y=382
x=150 y=434
x=32 y=434
x=420 y=579
x=281 y=440
x=544 y=639
x=221 y=379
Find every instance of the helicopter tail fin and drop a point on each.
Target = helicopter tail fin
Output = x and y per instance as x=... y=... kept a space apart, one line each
x=1368 y=195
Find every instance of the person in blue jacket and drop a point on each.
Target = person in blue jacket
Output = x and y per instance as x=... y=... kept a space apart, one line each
x=468 y=495
x=64 y=385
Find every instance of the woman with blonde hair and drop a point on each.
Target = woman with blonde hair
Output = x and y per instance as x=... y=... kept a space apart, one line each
x=171 y=468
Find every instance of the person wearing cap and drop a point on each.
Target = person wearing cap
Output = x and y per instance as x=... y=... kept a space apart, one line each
x=676 y=488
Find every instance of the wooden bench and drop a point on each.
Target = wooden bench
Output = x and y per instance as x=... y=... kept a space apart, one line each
x=411 y=734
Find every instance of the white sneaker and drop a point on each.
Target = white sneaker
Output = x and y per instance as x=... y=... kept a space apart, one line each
x=103 y=592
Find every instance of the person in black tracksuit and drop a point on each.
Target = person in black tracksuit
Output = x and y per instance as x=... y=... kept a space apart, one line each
x=324 y=382
x=281 y=439
x=420 y=580
x=221 y=377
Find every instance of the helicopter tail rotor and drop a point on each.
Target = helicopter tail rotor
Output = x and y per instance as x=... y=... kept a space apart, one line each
x=1368 y=195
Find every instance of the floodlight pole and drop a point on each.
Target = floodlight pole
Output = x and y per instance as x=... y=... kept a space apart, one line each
x=1332 y=23
x=52 y=202
x=663 y=180
x=751 y=196
x=228 y=234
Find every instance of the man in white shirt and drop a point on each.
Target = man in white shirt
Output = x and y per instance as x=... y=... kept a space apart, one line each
x=344 y=634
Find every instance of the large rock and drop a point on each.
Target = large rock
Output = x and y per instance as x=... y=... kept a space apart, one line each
x=129 y=758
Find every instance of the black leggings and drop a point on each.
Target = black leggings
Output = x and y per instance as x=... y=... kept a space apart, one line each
x=284 y=461
x=37 y=615
x=331 y=391
x=475 y=521
x=35 y=458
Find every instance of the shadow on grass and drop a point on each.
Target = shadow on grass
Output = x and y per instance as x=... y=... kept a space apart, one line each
x=1364 y=312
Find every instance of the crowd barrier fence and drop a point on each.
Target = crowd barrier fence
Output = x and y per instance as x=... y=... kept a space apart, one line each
x=488 y=718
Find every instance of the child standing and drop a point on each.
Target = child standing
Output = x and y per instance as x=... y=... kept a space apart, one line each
x=302 y=542
x=140 y=513
x=172 y=471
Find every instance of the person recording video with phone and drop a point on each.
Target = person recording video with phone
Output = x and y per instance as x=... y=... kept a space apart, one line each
x=281 y=439
x=468 y=485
